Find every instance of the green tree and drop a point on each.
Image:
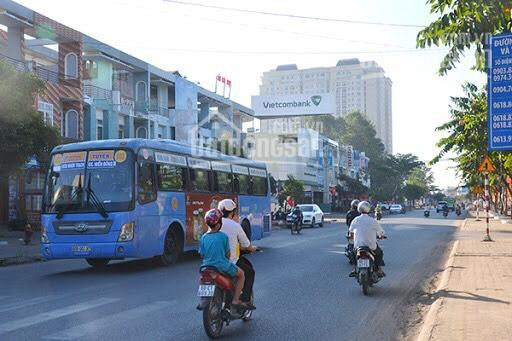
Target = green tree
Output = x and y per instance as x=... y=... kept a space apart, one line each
x=23 y=134
x=462 y=25
x=360 y=133
x=293 y=188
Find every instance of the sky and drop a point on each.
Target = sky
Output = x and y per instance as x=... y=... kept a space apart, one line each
x=203 y=42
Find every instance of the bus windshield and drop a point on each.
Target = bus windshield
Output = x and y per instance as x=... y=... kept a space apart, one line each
x=75 y=177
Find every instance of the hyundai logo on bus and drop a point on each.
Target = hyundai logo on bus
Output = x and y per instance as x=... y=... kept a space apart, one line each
x=293 y=105
x=82 y=227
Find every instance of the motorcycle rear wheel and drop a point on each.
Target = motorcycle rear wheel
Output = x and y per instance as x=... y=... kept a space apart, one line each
x=364 y=283
x=212 y=315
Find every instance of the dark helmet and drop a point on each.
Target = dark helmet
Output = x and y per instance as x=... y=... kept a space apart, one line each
x=213 y=217
x=354 y=204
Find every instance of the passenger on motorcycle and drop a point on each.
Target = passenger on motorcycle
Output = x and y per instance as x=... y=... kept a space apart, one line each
x=365 y=230
x=215 y=251
x=238 y=241
x=352 y=213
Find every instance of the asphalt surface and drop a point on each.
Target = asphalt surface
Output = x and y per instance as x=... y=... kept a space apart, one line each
x=302 y=291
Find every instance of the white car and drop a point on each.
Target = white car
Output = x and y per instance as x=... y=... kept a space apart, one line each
x=396 y=208
x=311 y=215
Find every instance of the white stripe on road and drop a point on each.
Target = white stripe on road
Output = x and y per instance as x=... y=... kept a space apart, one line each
x=42 y=299
x=106 y=322
x=21 y=304
x=53 y=314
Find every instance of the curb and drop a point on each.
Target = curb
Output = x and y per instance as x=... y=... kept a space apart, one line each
x=429 y=322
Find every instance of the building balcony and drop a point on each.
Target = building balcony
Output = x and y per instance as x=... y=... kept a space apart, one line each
x=97 y=93
x=41 y=71
x=157 y=110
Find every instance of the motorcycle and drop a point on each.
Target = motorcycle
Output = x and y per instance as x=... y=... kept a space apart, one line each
x=215 y=295
x=349 y=249
x=445 y=214
x=367 y=270
x=426 y=213
x=458 y=211
x=378 y=215
x=296 y=224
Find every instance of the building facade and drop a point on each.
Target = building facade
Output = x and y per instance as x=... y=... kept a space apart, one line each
x=310 y=157
x=358 y=86
x=94 y=91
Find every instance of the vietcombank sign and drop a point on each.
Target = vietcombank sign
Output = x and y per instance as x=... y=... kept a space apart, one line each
x=292 y=105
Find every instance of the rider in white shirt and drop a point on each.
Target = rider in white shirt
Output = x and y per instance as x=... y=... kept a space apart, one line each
x=238 y=241
x=365 y=230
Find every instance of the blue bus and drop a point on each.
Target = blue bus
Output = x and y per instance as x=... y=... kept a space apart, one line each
x=138 y=198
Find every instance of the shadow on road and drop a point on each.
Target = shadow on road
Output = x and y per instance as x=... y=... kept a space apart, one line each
x=129 y=266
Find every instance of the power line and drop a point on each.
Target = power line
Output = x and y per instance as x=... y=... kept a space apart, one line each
x=293 y=16
x=322 y=36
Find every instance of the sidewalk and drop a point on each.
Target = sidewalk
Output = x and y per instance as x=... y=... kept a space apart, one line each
x=12 y=250
x=474 y=298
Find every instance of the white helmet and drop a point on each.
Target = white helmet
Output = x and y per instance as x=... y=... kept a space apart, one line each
x=364 y=207
x=227 y=205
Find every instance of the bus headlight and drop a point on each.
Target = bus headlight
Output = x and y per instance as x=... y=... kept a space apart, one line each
x=127 y=232
x=44 y=236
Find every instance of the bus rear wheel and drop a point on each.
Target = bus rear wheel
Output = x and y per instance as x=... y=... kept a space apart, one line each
x=173 y=246
x=97 y=263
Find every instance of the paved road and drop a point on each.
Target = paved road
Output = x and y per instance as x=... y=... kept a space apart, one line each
x=302 y=291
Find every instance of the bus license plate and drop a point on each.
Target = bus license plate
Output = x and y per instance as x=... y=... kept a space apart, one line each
x=206 y=290
x=81 y=248
x=363 y=263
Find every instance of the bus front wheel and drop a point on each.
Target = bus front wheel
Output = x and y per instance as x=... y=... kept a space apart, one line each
x=173 y=246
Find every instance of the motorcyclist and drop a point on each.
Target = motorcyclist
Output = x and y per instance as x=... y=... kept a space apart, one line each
x=352 y=213
x=365 y=230
x=378 y=210
x=238 y=241
x=214 y=248
x=298 y=212
x=446 y=209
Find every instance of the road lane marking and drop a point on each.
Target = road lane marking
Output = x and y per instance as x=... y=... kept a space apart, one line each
x=21 y=304
x=42 y=299
x=96 y=326
x=53 y=314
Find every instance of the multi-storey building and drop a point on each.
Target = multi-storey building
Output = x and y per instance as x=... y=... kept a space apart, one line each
x=358 y=86
x=310 y=157
x=94 y=91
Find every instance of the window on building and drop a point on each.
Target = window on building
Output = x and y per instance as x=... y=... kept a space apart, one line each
x=140 y=94
x=47 y=117
x=170 y=178
x=70 y=124
x=71 y=66
x=141 y=132
x=120 y=132
x=99 y=129
x=90 y=69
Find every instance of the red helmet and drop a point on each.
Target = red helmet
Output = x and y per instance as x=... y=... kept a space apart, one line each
x=213 y=217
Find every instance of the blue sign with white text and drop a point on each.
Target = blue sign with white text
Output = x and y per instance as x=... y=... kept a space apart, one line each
x=499 y=93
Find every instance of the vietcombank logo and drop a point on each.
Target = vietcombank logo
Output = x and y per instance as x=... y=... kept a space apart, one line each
x=293 y=104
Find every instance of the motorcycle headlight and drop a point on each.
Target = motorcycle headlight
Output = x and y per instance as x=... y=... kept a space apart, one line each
x=127 y=232
x=44 y=236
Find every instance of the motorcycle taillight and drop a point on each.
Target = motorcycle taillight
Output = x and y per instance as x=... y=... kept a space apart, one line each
x=362 y=254
x=207 y=277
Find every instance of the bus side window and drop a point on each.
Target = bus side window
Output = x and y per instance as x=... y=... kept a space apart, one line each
x=146 y=189
x=199 y=180
x=223 y=182
x=244 y=184
x=259 y=185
